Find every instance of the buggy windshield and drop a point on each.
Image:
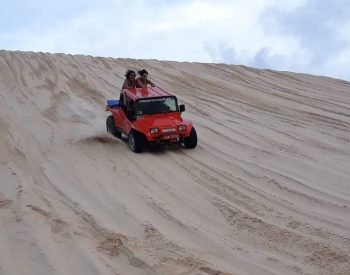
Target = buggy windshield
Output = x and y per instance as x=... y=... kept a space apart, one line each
x=150 y=106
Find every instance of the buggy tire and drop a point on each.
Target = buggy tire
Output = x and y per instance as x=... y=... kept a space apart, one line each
x=190 y=142
x=111 y=127
x=136 y=141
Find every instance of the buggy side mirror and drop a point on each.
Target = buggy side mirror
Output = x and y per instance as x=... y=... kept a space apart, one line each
x=182 y=108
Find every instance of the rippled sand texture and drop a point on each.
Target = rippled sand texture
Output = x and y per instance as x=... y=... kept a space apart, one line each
x=266 y=191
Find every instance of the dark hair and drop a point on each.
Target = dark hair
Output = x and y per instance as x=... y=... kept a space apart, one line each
x=129 y=72
x=143 y=71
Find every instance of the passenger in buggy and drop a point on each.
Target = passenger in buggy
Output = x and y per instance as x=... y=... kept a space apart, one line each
x=143 y=81
x=130 y=81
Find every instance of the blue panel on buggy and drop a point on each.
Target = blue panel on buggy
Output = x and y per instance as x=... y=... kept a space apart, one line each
x=113 y=103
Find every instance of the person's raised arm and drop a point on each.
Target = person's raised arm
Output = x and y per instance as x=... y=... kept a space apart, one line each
x=150 y=83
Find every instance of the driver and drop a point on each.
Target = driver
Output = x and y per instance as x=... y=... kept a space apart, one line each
x=142 y=81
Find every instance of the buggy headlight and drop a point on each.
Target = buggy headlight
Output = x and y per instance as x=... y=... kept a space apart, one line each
x=182 y=128
x=154 y=131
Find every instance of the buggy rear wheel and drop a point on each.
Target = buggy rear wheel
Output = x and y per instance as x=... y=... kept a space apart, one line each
x=111 y=127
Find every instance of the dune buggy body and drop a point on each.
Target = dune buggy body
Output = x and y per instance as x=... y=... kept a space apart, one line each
x=149 y=116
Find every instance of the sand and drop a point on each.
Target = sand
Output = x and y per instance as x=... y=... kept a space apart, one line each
x=266 y=191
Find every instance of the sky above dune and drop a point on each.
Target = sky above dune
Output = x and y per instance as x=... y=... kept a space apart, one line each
x=309 y=36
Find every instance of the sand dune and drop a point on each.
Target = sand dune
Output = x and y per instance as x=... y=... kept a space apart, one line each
x=266 y=191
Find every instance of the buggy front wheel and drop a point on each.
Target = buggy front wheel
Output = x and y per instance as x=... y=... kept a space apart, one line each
x=136 y=141
x=191 y=141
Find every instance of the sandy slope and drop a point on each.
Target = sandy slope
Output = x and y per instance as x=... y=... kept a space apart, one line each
x=267 y=190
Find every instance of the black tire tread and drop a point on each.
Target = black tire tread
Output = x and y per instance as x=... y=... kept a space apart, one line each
x=139 y=141
x=190 y=142
x=111 y=127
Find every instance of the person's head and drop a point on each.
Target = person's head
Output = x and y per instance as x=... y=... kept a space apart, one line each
x=130 y=74
x=143 y=73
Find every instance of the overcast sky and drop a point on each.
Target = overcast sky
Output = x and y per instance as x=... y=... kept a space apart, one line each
x=311 y=36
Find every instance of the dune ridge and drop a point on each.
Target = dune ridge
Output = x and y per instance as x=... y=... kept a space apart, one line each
x=266 y=191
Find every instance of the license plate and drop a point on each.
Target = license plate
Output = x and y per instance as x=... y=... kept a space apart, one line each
x=170 y=137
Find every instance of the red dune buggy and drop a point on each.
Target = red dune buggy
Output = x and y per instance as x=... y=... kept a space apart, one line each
x=149 y=116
